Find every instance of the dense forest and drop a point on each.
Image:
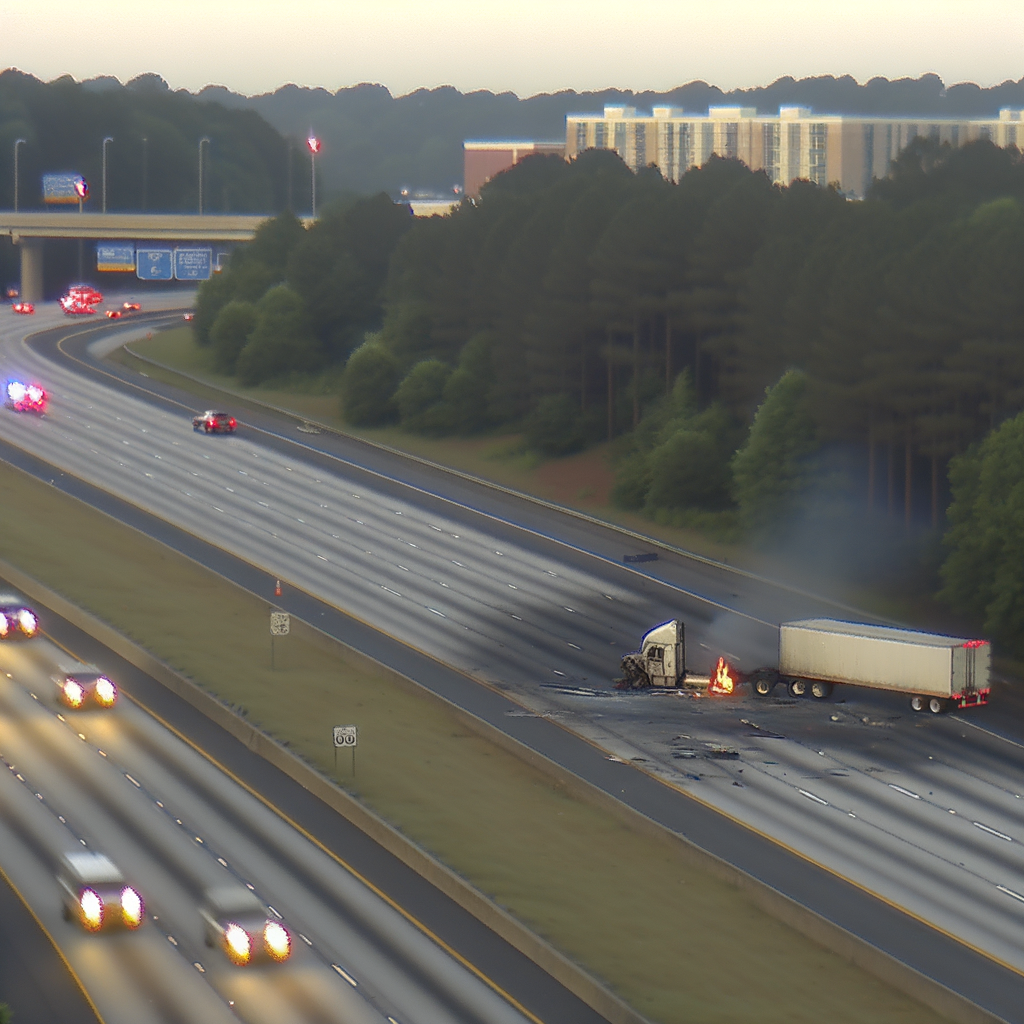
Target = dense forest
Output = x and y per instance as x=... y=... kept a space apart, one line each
x=747 y=348
x=373 y=140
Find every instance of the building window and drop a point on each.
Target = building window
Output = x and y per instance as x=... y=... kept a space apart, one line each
x=1011 y=135
x=581 y=136
x=686 y=154
x=933 y=132
x=639 y=147
x=816 y=159
x=620 y=138
x=985 y=132
x=793 y=170
x=707 y=141
x=771 y=151
x=730 y=140
x=954 y=135
x=600 y=135
x=869 y=157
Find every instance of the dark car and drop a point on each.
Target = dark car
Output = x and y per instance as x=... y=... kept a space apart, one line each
x=212 y=422
x=17 y=620
x=243 y=926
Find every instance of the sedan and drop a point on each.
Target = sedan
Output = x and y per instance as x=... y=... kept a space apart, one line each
x=212 y=422
x=23 y=307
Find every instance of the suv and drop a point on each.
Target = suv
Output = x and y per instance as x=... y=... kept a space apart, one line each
x=238 y=921
x=95 y=894
x=214 y=422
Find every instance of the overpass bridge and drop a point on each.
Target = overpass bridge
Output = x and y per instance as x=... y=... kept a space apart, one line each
x=28 y=229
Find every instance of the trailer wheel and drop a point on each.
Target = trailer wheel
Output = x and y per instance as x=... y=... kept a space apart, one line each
x=763 y=685
x=936 y=706
x=797 y=687
x=821 y=690
x=917 y=703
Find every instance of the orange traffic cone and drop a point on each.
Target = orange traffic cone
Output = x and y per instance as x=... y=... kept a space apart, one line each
x=277 y=588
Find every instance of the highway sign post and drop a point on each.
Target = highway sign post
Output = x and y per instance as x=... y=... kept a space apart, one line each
x=280 y=625
x=346 y=736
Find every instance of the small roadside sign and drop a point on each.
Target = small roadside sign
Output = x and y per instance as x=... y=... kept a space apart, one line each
x=346 y=735
x=280 y=623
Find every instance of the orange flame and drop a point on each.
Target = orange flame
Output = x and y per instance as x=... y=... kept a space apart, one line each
x=721 y=681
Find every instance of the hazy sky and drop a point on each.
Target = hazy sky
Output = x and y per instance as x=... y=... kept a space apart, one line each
x=526 y=46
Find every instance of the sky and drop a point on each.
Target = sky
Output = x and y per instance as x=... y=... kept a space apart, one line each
x=522 y=46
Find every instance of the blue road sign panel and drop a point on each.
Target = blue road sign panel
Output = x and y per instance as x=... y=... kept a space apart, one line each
x=115 y=256
x=154 y=264
x=193 y=264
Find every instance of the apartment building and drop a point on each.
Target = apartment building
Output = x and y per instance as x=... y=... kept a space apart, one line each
x=797 y=143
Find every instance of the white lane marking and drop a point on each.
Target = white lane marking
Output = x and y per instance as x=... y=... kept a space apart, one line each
x=438 y=528
x=517 y=618
x=132 y=781
x=568 y=609
x=348 y=977
x=572 y=645
x=991 y=831
x=396 y=513
x=905 y=792
x=550 y=573
x=413 y=545
x=1010 y=892
x=459 y=564
x=512 y=586
x=811 y=796
x=390 y=591
x=322 y=559
x=403 y=568
x=557 y=673
x=436 y=612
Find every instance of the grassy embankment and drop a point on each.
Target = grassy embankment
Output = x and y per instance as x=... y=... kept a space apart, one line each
x=677 y=943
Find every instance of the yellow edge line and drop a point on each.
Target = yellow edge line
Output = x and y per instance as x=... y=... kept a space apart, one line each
x=57 y=949
x=343 y=863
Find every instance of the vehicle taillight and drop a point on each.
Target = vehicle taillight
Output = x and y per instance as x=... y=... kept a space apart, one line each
x=132 y=907
x=73 y=693
x=232 y=423
x=277 y=940
x=237 y=943
x=92 y=909
x=106 y=692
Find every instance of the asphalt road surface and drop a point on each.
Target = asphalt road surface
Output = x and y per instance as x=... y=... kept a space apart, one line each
x=921 y=811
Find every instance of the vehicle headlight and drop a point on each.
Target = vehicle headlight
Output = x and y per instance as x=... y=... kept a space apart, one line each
x=92 y=909
x=4 y=626
x=28 y=622
x=237 y=943
x=277 y=940
x=132 y=907
x=106 y=692
x=73 y=693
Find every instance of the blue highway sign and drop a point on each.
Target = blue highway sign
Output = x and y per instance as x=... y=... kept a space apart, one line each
x=154 y=264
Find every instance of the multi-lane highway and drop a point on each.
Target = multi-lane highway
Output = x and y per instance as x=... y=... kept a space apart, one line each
x=923 y=811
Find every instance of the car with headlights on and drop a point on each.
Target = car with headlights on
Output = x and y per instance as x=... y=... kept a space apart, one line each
x=17 y=620
x=213 y=422
x=22 y=397
x=82 y=687
x=95 y=894
x=243 y=926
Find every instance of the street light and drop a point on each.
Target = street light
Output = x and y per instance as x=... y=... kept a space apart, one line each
x=201 y=141
x=17 y=143
x=105 y=141
x=314 y=147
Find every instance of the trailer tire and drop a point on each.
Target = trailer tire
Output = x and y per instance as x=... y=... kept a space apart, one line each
x=916 y=703
x=797 y=687
x=763 y=684
x=936 y=706
x=821 y=690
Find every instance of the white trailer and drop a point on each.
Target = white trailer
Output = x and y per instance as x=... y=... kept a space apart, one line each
x=935 y=671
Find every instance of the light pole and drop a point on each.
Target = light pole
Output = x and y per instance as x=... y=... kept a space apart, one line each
x=105 y=141
x=17 y=143
x=144 y=168
x=201 y=141
x=314 y=147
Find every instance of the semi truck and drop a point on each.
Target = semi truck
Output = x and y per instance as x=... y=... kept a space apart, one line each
x=936 y=672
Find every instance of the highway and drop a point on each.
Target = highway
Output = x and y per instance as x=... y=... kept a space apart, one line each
x=924 y=812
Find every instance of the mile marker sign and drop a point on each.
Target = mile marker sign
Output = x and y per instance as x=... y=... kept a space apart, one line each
x=346 y=735
x=280 y=623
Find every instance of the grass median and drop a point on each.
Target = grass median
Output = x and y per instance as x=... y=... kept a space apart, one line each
x=675 y=942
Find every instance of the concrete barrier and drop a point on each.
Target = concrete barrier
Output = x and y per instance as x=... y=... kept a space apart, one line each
x=831 y=936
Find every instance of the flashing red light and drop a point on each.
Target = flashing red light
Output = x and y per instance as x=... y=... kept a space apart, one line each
x=975 y=643
x=26 y=397
x=23 y=307
x=81 y=188
x=314 y=144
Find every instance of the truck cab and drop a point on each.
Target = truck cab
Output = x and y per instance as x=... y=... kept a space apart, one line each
x=661 y=660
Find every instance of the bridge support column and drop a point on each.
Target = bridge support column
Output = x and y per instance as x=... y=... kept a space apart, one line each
x=31 y=269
